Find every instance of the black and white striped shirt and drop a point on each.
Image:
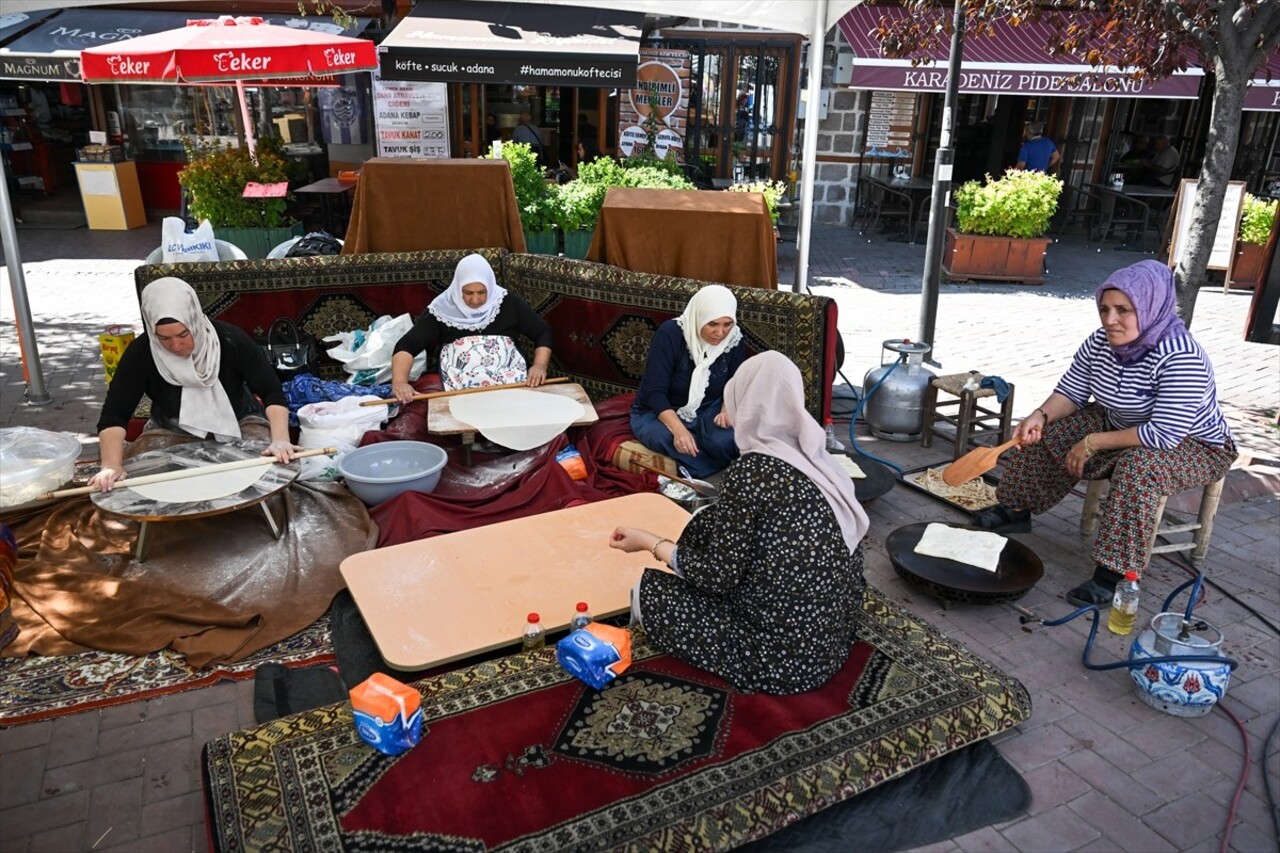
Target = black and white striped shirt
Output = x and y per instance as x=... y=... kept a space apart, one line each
x=1169 y=395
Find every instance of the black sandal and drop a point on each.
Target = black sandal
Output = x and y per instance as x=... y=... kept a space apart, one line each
x=1004 y=519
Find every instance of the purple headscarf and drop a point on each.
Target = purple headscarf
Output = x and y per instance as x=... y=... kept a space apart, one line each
x=1149 y=286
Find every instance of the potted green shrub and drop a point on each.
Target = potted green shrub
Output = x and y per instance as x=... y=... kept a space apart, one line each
x=534 y=197
x=1000 y=226
x=214 y=181
x=1257 y=225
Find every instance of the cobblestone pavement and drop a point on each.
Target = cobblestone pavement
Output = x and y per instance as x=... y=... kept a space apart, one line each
x=1106 y=772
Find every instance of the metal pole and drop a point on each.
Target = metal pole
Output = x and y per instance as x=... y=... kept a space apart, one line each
x=809 y=155
x=931 y=283
x=37 y=394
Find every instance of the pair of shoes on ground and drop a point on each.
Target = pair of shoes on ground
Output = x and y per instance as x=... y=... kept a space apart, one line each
x=1097 y=590
x=1004 y=519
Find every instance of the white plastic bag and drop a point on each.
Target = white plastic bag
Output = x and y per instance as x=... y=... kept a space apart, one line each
x=366 y=356
x=179 y=246
x=334 y=423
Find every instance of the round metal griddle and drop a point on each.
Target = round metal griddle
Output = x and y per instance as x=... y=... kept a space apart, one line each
x=947 y=580
x=879 y=480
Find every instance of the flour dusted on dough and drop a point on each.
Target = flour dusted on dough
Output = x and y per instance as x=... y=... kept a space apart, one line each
x=972 y=547
x=847 y=464
x=202 y=487
x=517 y=418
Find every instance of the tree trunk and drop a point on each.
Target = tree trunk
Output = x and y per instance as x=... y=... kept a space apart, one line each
x=1211 y=189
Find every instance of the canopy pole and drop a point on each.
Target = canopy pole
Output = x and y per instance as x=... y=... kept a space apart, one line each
x=248 y=125
x=809 y=152
x=37 y=394
x=931 y=282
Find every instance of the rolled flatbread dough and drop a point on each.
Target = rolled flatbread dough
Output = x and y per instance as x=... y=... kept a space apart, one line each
x=516 y=417
x=853 y=469
x=979 y=548
x=202 y=487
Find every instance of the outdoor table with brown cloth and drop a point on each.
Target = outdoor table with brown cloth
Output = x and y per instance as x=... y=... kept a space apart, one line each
x=418 y=205
x=725 y=237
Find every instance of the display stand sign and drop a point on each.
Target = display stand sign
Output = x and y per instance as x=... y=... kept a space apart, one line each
x=1224 y=239
x=890 y=121
x=411 y=119
x=662 y=88
x=253 y=189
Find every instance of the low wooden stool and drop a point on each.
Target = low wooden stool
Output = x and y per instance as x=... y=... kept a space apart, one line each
x=631 y=452
x=1203 y=525
x=970 y=418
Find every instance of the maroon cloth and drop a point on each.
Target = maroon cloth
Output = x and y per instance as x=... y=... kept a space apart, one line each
x=503 y=487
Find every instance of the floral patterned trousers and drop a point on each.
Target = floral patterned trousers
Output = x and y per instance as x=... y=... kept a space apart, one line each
x=1036 y=478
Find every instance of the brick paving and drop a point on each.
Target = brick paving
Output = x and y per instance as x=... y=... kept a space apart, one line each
x=1106 y=771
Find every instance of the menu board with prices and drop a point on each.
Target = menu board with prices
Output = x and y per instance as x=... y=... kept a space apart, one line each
x=411 y=118
x=889 y=124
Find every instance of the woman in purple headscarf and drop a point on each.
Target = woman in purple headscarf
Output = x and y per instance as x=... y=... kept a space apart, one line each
x=1138 y=405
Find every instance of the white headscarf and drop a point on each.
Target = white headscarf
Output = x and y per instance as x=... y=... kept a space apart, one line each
x=205 y=407
x=710 y=303
x=765 y=401
x=449 y=308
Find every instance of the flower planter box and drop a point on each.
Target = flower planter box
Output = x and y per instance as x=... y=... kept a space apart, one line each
x=1248 y=266
x=576 y=243
x=258 y=242
x=541 y=242
x=969 y=257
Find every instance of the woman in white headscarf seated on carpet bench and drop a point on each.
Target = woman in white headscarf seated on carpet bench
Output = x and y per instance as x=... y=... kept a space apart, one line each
x=765 y=588
x=679 y=407
x=201 y=376
x=471 y=327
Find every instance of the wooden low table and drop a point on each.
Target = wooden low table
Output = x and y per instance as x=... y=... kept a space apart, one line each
x=440 y=419
x=448 y=597
x=126 y=502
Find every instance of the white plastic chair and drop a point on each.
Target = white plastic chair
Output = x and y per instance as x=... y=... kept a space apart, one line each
x=226 y=252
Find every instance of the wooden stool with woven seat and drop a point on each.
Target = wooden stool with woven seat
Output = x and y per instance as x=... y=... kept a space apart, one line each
x=970 y=418
x=1202 y=526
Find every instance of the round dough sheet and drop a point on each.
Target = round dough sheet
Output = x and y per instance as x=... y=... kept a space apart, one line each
x=517 y=418
x=202 y=487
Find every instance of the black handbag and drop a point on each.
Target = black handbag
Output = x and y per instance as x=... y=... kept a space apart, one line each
x=289 y=352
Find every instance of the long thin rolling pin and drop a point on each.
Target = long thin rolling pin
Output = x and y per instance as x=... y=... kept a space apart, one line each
x=435 y=394
x=184 y=473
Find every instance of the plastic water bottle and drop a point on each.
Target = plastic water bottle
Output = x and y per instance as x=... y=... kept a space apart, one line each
x=834 y=445
x=1124 y=607
x=534 y=637
x=581 y=618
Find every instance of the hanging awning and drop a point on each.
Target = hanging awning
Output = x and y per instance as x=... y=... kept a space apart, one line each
x=1263 y=93
x=1011 y=61
x=519 y=43
x=51 y=51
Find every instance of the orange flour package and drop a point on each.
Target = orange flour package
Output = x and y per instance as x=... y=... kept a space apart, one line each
x=387 y=713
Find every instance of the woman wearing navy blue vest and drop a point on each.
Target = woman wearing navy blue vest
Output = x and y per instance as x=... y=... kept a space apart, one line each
x=1138 y=405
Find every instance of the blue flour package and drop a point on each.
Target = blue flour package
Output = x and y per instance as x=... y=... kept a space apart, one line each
x=595 y=654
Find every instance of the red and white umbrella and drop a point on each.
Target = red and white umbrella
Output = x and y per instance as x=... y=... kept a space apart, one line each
x=228 y=51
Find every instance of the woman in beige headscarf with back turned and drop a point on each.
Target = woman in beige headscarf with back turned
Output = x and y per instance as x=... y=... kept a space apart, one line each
x=767 y=582
x=200 y=374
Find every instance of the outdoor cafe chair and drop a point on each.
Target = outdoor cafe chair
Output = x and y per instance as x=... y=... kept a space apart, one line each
x=888 y=203
x=1082 y=205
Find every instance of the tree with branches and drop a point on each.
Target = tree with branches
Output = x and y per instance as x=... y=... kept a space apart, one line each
x=1150 y=39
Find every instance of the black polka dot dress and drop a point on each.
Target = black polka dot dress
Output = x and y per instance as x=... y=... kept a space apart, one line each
x=770 y=594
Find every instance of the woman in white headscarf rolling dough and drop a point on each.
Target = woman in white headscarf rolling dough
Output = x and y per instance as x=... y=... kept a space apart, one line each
x=679 y=407
x=200 y=374
x=471 y=328
x=766 y=585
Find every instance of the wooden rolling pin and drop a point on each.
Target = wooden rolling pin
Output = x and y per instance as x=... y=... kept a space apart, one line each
x=184 y=473
x=435 y=394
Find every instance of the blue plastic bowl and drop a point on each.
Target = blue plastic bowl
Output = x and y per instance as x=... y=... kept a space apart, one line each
x=381 y=471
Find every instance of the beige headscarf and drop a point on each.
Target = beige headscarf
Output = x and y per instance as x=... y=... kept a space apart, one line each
x=710 y=303
x=205 y=407
x=765 y=401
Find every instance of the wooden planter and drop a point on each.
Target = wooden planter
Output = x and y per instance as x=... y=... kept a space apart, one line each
x=258 y=242
x=969 y=257
x=1248 y=266
x=576 y=243
x=541 y=242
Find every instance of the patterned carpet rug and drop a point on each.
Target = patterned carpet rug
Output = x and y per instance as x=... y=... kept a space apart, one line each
x=37 y=688
x=519 y=756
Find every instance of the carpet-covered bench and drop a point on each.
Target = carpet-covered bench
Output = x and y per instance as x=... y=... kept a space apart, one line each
x=602 y=316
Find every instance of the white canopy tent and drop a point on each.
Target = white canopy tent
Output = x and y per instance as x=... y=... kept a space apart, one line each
x=811 y=18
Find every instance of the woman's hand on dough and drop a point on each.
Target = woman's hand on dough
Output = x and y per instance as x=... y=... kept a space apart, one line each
x=282 y=449
x=403 y=391
x=106 y=478
x=683 y=440
x=630 y=539
x=537 y=375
